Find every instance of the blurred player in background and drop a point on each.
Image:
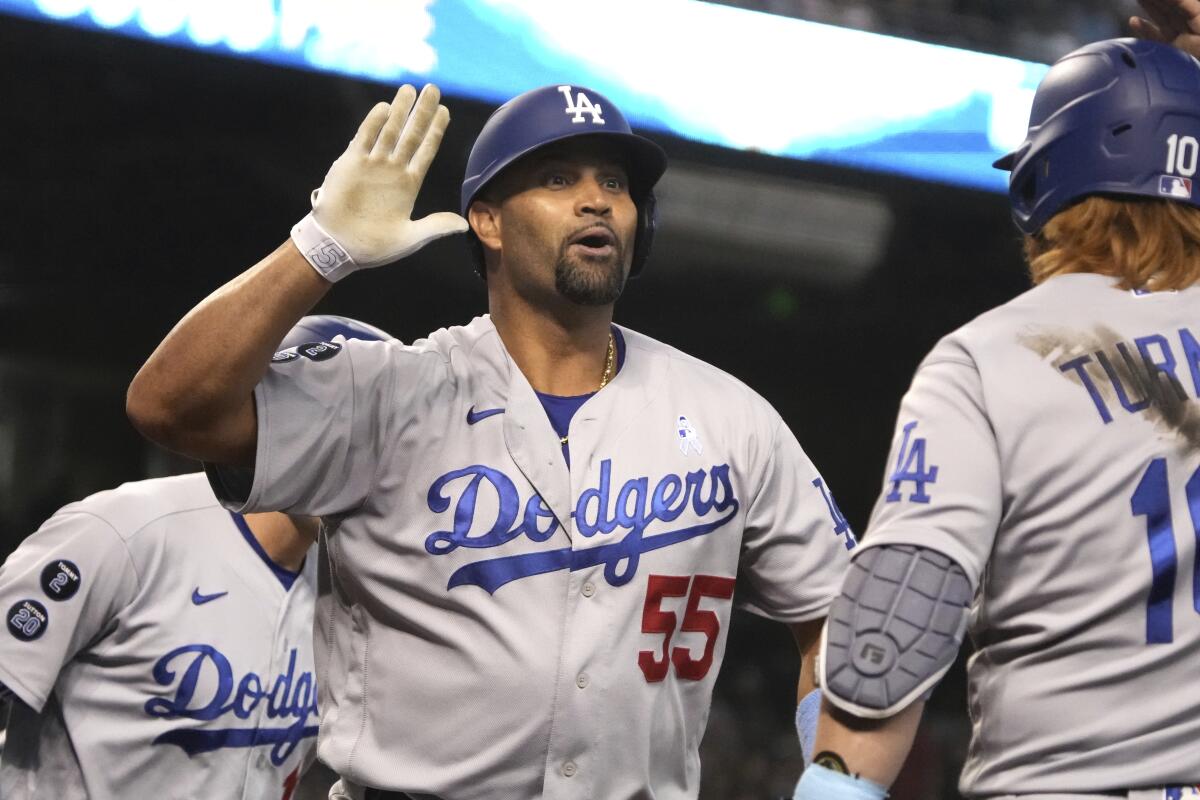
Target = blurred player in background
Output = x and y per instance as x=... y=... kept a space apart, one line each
x=539 y=517
x=1043 y=487
x=157 y=645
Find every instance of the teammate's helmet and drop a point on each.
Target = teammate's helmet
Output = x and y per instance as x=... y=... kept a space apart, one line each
x=1119 y=117
x=539 y=117
x=323 y=327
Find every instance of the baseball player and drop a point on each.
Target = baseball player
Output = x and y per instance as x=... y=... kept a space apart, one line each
x=159 y=646
x=1043 y=488
x=541 y=518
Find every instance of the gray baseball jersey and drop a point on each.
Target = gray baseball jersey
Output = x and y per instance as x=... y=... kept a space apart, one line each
x=500 y=625
x=1052 y=447
x=156 y=653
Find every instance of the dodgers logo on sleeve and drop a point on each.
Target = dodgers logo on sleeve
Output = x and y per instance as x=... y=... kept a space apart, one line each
x=910 y=466
x=840 y=523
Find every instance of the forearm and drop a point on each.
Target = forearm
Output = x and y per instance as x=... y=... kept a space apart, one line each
x=194 y=394
x=871 y=749
x=808 y=699
x=808 y=643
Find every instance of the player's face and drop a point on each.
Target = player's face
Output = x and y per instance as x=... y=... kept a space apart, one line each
x=567 y=218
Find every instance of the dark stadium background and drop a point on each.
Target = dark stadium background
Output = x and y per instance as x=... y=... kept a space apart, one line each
x=135 y=179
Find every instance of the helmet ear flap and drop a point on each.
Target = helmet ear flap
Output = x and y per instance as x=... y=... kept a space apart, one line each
x=647 y=225
x=1027 y=192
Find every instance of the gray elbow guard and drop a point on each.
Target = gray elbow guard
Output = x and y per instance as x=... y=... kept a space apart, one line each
x=894 y=630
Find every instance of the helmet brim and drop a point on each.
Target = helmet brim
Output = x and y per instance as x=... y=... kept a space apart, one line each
x=647 y=162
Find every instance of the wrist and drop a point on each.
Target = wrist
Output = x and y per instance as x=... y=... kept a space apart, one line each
x=323 y=253
x=822 y=783
x=807 y=714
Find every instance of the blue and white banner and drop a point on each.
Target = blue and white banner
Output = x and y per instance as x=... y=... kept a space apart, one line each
x=701 y=71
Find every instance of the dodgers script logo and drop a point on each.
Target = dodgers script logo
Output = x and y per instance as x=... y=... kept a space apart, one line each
x=599 y=511
x=291 y=699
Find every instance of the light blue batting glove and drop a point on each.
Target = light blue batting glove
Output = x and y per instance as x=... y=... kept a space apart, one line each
x=822 y=783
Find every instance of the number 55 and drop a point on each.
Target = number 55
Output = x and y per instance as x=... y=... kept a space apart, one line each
x=695 y=620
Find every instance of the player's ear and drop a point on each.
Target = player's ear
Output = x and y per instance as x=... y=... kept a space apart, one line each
x=484 y=218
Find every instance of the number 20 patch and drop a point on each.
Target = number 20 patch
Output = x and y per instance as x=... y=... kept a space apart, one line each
x=27 y=620
x=655 y=666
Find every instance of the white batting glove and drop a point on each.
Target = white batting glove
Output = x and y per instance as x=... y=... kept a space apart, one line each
x=362 y=213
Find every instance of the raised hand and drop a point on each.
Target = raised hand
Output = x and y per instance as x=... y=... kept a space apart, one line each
x=362 y=213
x=1174 y=22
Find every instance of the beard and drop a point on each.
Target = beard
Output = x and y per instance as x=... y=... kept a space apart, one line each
x=590 y=281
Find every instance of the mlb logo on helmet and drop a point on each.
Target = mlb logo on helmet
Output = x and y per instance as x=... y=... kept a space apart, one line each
x=1175 y=186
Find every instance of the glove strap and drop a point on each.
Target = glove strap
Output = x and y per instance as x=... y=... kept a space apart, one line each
x=327 y=257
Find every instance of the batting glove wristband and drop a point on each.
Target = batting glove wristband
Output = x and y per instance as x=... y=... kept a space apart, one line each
x=362 y=214
x=822 y=783
x=807 y=714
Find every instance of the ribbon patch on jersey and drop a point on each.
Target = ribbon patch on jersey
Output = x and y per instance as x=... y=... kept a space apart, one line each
x=27 y=620
x=290 y=698
x=61 y=580
x=707 y=494
x=688 y=438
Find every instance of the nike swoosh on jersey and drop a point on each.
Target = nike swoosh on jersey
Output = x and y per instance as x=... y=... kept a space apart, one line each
x=201 y=599
x=474 y=416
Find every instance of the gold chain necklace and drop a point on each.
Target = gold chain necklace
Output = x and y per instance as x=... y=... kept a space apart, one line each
x=610 y=359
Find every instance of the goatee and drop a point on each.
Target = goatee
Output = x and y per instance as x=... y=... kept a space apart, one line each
x=589 y=282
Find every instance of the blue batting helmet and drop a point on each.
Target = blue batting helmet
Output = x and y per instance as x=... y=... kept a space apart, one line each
x=550 y=114
x=1119 y=117
x=323 y=327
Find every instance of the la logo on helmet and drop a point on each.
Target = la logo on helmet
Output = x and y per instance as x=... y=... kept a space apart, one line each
x=579 y=105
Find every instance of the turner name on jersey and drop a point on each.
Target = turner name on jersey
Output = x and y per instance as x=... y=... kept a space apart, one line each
x=1155 y=373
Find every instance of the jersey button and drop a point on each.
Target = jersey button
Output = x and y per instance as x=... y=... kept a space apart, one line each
x=569 y=769
x=583 y=680
x=589 y=589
